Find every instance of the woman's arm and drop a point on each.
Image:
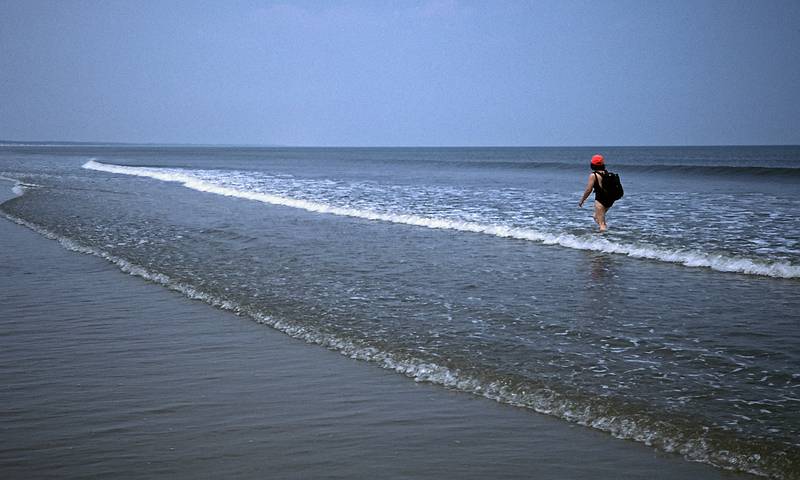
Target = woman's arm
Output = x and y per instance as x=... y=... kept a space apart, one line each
x=589 y=187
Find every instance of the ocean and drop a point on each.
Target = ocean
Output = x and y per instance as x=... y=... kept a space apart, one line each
x=474 y=269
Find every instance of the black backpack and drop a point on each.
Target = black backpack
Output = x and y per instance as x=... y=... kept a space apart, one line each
x=612 y=186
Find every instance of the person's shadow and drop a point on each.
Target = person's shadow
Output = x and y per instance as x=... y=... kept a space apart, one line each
x=602 y=267
x=602 y=285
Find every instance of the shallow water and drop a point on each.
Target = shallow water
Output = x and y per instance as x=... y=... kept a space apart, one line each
x=473 y=268
x=104 y=375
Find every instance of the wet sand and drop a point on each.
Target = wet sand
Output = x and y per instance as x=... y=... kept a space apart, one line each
x=103 y=374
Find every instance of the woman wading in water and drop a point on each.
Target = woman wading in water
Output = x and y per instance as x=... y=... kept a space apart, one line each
x=601 y=201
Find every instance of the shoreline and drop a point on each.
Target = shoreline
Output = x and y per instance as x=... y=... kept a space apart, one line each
x=105 y=373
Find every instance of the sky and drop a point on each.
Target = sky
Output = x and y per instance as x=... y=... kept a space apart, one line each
x=401 y=73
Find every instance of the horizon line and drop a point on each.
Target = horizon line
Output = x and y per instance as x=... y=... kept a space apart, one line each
x=66 y=143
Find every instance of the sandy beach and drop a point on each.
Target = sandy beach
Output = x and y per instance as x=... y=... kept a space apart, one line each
x=106 y=375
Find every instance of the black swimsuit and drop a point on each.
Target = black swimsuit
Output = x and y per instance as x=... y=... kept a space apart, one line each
x=600 y=194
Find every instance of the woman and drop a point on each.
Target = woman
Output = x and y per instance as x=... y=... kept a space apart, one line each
x=601 y=201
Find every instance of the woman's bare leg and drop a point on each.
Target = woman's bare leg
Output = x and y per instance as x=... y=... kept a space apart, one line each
x=600 y=215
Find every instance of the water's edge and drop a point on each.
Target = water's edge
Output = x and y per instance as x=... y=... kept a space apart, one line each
x=543 y=400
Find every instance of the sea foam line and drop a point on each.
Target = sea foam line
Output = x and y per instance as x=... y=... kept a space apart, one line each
x=543 y=400
x=687 y=258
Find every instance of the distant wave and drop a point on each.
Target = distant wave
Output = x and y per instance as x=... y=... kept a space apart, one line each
x=782 y=169
x=717 y=170
x=676 y=169
x=689 y=258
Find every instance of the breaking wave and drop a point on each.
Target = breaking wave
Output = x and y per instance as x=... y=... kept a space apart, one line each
x=688 y=257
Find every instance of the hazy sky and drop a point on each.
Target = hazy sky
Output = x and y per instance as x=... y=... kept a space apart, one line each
x=433 y=72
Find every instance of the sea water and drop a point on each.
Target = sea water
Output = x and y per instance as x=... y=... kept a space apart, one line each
x=475 y=269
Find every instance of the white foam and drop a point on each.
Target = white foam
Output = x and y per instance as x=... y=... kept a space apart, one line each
x=688 y=258
x=19 y=188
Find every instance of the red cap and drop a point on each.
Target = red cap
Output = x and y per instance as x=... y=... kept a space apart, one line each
x=597 y=160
